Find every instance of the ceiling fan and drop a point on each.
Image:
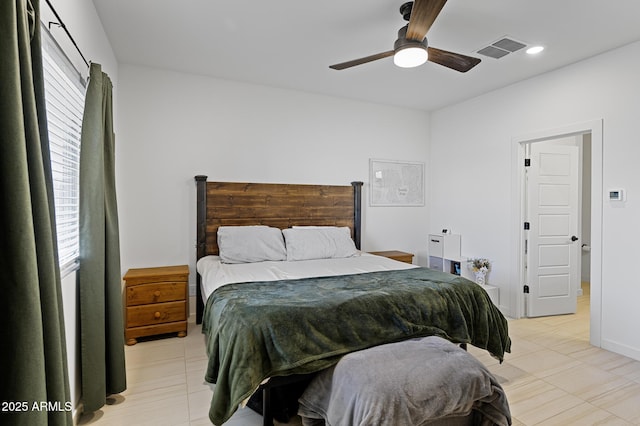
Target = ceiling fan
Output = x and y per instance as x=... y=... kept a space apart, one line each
x=411 y=49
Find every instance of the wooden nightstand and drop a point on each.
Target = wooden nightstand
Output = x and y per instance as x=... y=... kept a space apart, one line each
x=395 y=255
x=156 y=301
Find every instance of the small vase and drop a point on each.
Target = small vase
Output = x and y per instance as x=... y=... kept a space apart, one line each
x=480 y=277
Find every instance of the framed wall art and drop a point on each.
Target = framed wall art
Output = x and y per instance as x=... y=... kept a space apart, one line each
x=396 y=183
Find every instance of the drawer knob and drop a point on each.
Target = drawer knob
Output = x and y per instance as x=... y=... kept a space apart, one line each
x=157 y=293
x=157 y=315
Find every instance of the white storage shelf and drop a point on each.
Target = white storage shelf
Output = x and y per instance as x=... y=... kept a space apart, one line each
x=444 y=251
x=444 y=255
x=493 y=291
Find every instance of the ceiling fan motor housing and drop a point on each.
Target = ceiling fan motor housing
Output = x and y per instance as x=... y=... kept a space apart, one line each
x=402 y=42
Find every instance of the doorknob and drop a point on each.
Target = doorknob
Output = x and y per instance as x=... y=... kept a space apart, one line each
x=574 y=238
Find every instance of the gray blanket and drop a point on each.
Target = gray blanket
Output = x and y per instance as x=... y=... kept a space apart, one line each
x=414 y=382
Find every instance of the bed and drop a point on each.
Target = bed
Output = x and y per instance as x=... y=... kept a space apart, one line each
x=297 y=321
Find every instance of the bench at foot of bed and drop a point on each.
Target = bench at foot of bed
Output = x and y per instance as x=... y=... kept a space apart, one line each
x=410 y=382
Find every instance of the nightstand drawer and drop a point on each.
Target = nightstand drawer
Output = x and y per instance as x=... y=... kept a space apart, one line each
x=155 y=293
x=156 y=314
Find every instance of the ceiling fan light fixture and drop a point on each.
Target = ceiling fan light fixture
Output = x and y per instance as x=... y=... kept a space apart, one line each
x=409 y=53
x=410 y=56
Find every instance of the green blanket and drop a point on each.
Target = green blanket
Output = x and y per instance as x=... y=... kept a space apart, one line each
x=277 y=328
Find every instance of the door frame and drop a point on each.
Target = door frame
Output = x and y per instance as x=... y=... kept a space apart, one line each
x=517 y=300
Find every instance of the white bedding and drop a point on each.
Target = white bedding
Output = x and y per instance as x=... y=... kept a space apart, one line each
x=215 y=274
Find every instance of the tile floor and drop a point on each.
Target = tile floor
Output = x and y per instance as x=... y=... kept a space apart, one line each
x=552 y=377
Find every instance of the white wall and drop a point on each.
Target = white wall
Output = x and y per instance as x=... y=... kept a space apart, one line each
x=83 y=23
x=174 y=126
x=471 y=171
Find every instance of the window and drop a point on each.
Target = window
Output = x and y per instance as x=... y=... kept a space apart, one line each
x=64 y=94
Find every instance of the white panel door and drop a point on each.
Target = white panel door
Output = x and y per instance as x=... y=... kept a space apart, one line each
x=553 y=245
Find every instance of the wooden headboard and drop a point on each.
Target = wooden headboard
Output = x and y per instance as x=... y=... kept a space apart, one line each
x=277 y=205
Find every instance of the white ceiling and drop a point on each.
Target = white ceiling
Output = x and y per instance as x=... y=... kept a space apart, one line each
x=291 y=43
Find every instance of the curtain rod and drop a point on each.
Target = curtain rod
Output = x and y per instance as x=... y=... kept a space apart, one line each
x=64 y=27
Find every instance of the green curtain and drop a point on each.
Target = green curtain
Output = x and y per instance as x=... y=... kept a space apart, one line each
x=33 y=360
x=101 y=320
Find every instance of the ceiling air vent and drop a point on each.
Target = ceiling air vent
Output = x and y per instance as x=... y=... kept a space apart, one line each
x=501 y=48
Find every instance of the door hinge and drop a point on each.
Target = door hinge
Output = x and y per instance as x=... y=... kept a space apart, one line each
x=526 y=289
x=526 y=226
x=527 y=162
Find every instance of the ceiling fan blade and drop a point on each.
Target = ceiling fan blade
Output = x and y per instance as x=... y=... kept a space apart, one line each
x=361 y=61
x=423 y=13
x=455 y=61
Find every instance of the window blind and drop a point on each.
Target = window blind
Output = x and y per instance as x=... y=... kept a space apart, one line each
x=64 y=94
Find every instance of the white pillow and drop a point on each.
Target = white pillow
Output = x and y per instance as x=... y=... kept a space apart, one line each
x=304 y=243
x=248 y=244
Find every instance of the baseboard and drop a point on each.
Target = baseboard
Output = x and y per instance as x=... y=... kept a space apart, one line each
x=192 y=305
x=621 y=349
